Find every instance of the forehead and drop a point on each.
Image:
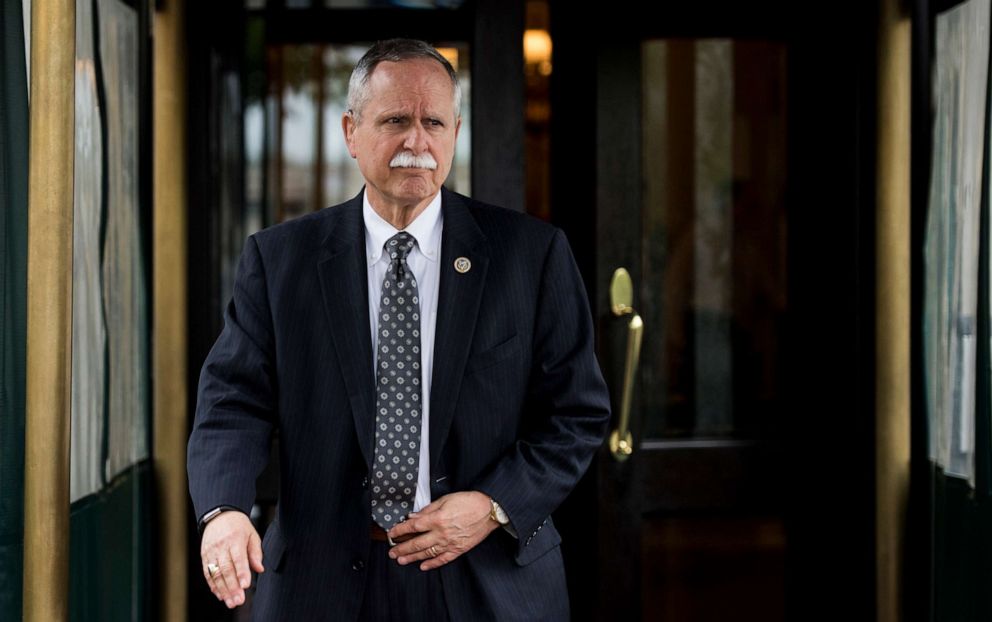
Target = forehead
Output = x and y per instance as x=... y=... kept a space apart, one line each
x=411 y=81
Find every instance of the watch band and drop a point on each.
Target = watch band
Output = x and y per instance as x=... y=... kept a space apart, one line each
x=212 y=514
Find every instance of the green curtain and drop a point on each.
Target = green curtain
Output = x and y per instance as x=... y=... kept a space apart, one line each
x=13 y=285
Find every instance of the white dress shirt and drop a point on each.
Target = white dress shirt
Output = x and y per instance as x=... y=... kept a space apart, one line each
x=424 y=260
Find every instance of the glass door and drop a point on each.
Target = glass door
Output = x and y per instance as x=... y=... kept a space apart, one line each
x=690 y=516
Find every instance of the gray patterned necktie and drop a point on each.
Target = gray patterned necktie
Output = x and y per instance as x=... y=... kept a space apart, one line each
x=398 y=399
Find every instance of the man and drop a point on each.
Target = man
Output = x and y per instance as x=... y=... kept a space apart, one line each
x=429 y=362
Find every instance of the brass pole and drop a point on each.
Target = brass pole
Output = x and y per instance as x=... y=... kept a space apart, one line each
x=49 y=321
x=892 y=322
x=169 y=331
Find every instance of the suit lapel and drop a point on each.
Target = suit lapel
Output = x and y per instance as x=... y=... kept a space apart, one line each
x=459 y=296
x=343 y=272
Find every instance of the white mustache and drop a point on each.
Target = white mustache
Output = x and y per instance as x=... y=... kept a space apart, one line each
x=406 y=159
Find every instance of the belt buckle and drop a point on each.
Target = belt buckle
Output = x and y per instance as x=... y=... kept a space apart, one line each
x=389 y=539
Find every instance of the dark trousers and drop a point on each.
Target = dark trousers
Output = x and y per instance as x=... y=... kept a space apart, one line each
x=394 y=592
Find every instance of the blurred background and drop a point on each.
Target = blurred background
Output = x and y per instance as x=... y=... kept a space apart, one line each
x=797 y=195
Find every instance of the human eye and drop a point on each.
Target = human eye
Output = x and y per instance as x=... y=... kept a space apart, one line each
x=395 y=120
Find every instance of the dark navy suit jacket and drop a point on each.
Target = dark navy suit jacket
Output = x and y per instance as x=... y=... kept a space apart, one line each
x=518 y=406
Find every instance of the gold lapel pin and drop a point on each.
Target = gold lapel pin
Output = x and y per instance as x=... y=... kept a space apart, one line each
x=463 y=265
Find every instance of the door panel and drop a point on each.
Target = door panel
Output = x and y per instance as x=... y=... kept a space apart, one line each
x=713 y=568
x=713 y=236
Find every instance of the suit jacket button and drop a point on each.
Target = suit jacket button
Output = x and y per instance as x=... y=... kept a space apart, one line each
x=357 y=565
x=365 y=483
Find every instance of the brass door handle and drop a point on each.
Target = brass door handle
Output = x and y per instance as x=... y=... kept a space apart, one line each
x=621 y=300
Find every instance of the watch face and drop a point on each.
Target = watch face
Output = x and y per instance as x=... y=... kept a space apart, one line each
x=501 y=516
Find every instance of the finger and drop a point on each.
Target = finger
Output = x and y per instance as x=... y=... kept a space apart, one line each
x=440 y=560
x=424 y=523
x=427 y=510
x=431 y=552
x=255 y=553
x=242 y=574
x=215 y=587
x=216 y=581
x=401 y=529
x=422 y=555
x=411 y=546
x=410 y=526
x=235 y=595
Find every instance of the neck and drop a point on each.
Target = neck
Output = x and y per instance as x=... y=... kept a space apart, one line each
x=398 y=214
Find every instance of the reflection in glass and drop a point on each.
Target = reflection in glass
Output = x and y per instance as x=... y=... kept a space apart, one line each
x=399 y=4
x=357 y=4
x=124 y=287
x=951 y=285
x=538 y=52
x=110 y=394
x=89 y=334
x=110 y=389
x=714 y=278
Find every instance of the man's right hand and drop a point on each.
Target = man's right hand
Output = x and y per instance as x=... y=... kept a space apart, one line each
x=231 y=542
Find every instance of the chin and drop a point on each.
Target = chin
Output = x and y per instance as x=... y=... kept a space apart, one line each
x=417 y=191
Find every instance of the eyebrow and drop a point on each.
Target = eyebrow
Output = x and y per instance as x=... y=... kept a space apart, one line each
x=430 y=114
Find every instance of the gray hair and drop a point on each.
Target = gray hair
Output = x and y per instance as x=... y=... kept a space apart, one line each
x=394 y=50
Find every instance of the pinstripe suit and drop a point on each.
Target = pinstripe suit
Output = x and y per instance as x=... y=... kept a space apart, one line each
x=518 y=406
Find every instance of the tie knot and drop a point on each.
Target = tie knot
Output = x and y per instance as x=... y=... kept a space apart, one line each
x=399 y=245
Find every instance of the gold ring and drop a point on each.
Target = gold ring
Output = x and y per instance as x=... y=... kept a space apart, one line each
x=212 y=569
x=433 y=551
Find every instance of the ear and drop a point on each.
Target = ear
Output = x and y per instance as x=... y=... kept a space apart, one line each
x=348 y=126
x=458 y=126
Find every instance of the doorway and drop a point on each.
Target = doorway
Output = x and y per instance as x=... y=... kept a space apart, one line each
x=730 y=176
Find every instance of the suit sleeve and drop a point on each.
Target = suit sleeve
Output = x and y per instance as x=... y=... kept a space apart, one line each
x=236 y=399
x=568 y=403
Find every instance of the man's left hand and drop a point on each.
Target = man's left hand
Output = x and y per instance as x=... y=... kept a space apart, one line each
x=447 y=528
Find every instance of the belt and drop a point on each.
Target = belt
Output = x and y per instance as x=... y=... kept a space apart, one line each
x=378 y=534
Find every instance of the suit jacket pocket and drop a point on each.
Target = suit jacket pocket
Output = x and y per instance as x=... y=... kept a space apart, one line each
x=492 y=356
x=273 y=547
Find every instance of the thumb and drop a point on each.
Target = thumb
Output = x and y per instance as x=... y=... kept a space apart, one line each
x=255 y=552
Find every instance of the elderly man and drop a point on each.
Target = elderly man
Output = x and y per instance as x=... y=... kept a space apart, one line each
x=429 y=362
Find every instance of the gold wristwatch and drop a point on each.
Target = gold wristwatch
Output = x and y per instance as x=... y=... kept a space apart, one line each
x=497 y=514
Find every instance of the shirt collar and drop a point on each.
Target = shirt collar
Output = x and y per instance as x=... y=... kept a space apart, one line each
x=425 y=229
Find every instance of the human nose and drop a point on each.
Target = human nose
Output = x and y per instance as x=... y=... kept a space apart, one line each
x=416 y=139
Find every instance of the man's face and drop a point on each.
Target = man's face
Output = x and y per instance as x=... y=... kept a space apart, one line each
x=410 y=112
